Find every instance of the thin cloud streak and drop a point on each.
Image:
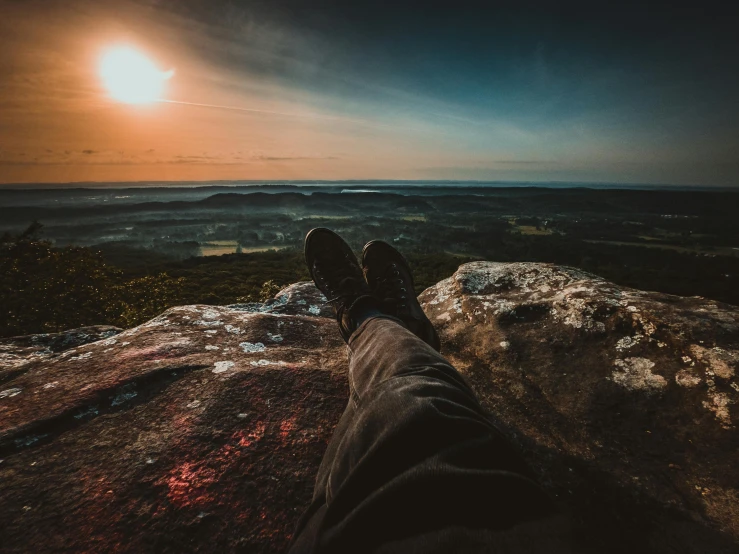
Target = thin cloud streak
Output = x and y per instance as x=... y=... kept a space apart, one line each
x=271 y=112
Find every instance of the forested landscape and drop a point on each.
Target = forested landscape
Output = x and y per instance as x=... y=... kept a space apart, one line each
x=104 y=258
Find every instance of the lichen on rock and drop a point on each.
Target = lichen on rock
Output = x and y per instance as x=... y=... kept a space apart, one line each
x=636 y=374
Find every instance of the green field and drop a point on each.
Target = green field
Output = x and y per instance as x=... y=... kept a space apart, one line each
x=221 y=247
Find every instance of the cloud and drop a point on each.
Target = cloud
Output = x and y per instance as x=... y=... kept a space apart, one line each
x=525 y=162
x=192 y=159
x=291 y=158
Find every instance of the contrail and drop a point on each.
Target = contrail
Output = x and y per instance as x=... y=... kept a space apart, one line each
x=271 y=112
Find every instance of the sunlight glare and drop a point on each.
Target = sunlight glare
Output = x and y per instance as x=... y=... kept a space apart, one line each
x=131 y=77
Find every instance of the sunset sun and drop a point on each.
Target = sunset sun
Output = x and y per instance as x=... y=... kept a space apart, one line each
x=131 y=77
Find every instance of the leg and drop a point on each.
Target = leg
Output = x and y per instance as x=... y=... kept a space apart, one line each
x=413 y=456
x=366 y=369
x=383 y=348
x=414 y=452
x=368 y=366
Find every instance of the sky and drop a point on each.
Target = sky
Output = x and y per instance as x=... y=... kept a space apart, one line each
x=531 y=91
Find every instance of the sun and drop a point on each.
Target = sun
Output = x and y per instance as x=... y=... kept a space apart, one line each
x=131 y=77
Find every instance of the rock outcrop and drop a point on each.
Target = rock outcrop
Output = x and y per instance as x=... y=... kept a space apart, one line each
x=202 y=429
x=626 y=402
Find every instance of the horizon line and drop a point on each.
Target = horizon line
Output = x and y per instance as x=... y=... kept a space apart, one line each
x=264 y=182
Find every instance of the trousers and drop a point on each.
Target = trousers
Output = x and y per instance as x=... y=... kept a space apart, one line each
x=414 y=464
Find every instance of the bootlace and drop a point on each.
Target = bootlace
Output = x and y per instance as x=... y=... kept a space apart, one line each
x=391 y=287
x=340 y=285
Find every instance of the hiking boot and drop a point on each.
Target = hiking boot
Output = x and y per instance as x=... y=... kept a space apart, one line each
x=390 y=280
x=336 y=272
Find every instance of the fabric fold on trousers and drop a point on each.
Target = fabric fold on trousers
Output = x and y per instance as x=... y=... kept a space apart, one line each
x=414 y=460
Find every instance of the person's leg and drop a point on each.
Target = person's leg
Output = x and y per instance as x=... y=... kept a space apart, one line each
x=383 y=347
x=362 y=373
x=336 y=273
x=413 y=452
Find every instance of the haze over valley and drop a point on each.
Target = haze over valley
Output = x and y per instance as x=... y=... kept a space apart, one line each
x=675 y=241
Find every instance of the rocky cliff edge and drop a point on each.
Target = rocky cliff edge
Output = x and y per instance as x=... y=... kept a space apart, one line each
x=202 y=429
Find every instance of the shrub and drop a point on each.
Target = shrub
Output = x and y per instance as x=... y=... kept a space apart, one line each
x=45 y=289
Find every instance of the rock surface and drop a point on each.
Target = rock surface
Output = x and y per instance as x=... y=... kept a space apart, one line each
x=16 y=352
x=202 y=429
x=624 y=401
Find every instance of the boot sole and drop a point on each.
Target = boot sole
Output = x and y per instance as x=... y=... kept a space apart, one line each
x=406 y=266
x=435 y=339
x=311 y=235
